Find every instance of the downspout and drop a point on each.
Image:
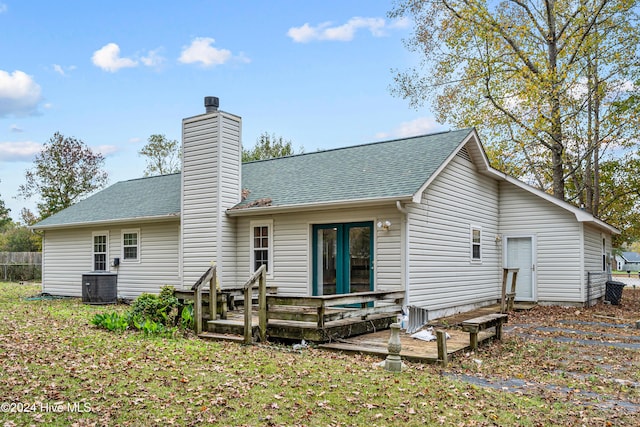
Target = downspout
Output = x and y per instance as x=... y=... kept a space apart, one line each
x=405 y=252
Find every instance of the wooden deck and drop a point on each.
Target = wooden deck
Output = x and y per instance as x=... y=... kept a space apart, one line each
x=356 y=322
x=232 y=328
x=314 y=318
x=417 y=350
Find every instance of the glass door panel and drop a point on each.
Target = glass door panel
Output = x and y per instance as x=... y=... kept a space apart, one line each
x=359 y=259
x=326 y=267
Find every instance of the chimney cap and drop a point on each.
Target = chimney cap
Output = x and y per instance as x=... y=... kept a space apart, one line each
x=211 y=103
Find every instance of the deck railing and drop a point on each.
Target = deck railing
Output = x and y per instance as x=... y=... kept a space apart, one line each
x=323 y=309
x=259 y=276
x=208 y=277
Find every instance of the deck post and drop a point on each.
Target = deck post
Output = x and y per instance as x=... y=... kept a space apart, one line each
x=393 y=362
x=213 y=296
x=321 y=311
x=197 y=309
x=441 y=337
x=248 y=329
x=262 y=306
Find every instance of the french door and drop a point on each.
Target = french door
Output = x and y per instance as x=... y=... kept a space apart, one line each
x=342 y=258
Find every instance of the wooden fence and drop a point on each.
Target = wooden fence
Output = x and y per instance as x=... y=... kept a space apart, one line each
x=16 y=266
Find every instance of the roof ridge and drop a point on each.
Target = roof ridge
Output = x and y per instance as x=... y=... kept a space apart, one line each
x=149 y=177
x=364 y=144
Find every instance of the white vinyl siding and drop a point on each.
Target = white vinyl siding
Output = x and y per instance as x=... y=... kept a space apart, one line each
x=593 y=253
x=210 y=186
x=68 y=256
x=559 y=269
x=443 y=278
x=292 y=251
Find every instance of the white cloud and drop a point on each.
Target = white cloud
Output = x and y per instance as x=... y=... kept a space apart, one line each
x=200 y=50
x=18 y=151
x=108 y=58
x=63 y=70
x=419 y=126
x=3 y=8
x=19 y=93
x=105 y=150
x=344 y=32
x=153 y=58
x=402 y=23
x=135 y=140
x=15 y=129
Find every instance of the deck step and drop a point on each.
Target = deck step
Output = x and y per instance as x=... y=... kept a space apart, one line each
x=221 y=337
x=233 y=327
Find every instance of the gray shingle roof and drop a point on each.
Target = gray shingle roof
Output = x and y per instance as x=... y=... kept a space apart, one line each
x=631 y=256
x=378 y=170
x=136 y=198
x=396 y=168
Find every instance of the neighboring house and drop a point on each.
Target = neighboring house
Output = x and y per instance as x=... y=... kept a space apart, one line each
x=425 y=214
x=628 y=261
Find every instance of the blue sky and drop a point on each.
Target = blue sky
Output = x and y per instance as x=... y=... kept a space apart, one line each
x=111 y=73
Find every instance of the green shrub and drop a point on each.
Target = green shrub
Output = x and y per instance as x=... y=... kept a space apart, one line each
x=154 y=315
x=161 y=308
x=111 y=321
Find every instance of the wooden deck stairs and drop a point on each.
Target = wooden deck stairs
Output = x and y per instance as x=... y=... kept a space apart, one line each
x=256 y=312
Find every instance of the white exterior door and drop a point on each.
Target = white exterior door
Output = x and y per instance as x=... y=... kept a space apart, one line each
x=519 y=254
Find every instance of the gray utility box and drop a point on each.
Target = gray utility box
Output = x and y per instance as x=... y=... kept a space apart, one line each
x=100 y=287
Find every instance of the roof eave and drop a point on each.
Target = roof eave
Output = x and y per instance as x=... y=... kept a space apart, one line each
x=154 y=218
x=339 y=204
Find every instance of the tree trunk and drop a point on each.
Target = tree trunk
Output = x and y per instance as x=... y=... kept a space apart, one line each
x=557 y=146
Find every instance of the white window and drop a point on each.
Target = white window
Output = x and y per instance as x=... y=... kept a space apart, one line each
x=100 y=251
x=261 y=245
x=476 y=243
x=130 y=245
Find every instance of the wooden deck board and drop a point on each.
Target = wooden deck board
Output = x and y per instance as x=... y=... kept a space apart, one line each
x=412 y=349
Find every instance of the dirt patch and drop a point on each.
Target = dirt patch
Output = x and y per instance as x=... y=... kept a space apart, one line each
x=587 y=356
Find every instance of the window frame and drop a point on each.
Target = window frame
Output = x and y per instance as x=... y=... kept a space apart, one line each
x=252 y=249
x=473 y=244
x=95 y=234
x=137 y=245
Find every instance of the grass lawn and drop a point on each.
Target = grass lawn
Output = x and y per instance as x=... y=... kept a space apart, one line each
x=57 y=369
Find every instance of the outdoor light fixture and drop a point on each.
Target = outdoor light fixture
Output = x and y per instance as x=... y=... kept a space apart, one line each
x=384 y=225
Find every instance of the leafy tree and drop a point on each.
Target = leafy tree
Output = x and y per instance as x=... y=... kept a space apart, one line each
x=65 y=171
x=544 y=81
x=5 y=219
x=27 y=217
x=18 y=238
x=268 y=147
x=163 y=155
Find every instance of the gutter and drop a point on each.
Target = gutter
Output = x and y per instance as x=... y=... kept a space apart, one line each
x=314 y=206
x=106 y=222
x=405 y=252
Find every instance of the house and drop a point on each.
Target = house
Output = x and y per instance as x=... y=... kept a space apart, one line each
x=426 y=214
x=628 y=261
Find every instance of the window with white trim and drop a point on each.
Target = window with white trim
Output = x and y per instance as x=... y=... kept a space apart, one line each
x=130 y=245
x=476 y=243
x=261 y=245
x=100 y=248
